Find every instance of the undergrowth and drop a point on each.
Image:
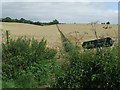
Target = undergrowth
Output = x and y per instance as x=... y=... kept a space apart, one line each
x=30 y=64
x=90 y=70
x=27 y=64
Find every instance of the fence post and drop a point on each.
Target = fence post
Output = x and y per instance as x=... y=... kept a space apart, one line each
x=8 y=36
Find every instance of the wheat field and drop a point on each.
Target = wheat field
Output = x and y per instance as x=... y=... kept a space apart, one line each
x=49 y=33
x=77 y=33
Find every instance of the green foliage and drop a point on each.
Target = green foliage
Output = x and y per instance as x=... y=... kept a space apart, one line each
x=69 y=46
x=42 y=71
x=89 y=70
x=8 y=84
x=27 y=63
x=24 y=81
x=54 y=22
x=107 y=22
x=7 y=19
x=92 y=71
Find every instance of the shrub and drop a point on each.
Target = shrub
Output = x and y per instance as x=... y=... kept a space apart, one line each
x=90 y=70
x=107 y=22
x=24 y=56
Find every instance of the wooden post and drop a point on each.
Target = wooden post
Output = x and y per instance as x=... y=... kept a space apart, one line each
x=8 y=36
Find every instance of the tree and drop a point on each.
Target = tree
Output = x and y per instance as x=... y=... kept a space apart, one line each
x=29 y=22
x=7 y=19
x=54 y=22
x=102 y=23
x=107 y=22
x=37 y=23
x=22 y=20
x=0 y=20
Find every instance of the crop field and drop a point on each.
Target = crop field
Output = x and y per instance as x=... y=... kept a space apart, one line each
x=33 y=63
x=50 y=33
x=77 y=33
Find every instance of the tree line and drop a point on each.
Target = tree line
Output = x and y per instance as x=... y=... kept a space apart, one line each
x=22 y=20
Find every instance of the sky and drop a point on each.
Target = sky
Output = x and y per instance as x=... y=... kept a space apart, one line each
x=64 y=12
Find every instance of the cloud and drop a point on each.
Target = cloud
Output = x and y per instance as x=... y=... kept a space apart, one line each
x=0 y=10
x=69 y=12
x=60 y=0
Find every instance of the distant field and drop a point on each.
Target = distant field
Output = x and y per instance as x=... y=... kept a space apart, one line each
x=74 y=32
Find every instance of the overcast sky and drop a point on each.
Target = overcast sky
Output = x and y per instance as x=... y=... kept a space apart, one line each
x=65 y=12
